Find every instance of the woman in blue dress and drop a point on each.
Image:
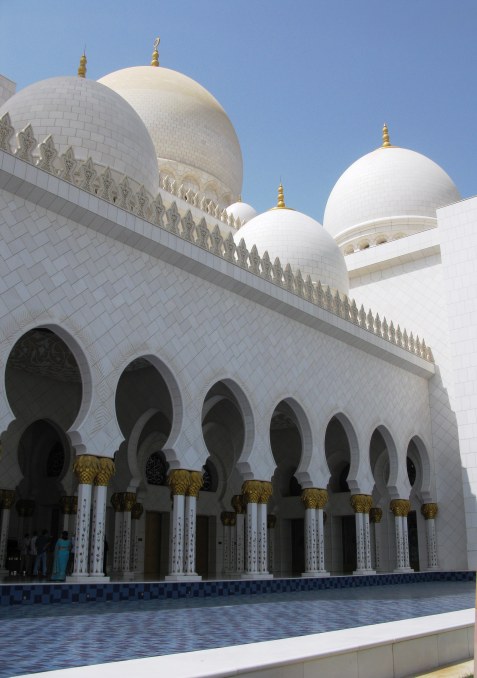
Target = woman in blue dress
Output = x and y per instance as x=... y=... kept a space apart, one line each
x=62 y=554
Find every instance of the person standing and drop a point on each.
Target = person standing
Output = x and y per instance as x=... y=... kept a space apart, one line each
x=62 y=554
x=33 y=539
x=24 y=545
x=42 y=544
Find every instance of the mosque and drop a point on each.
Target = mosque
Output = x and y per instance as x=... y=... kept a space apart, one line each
x=214 y=392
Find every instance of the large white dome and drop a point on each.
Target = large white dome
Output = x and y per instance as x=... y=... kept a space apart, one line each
x=92 y=119
x=193 y=136
x=300 y=241
x=388 y=183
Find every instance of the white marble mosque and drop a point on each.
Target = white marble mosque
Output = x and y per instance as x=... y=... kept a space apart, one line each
x=221 y=393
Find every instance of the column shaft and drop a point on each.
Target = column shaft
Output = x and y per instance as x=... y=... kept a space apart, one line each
x=5 y=517
x=190 y=532
x=262 y=538
x=83 y=518
x=177 y=535
x=240 y=539
x=98 y=530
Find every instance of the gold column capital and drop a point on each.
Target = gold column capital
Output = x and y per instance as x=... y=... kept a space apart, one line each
x=178 y=480
x=430 y=510
x=375 y=514
x=7 y=499
x=86 y=467
x=237 y=503
x=196 y=480
x=129 y=499
x=400 y=507
x=105 y=472
x=251 y=491
x=117 y=501
x=266 y=492
x=137 y=511
x=271 y=521
x=228 y=518
x=361 y=503
x=314 y=497
x=25 y=507
x=68 y=505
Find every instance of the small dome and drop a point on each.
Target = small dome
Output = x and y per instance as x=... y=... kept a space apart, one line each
x=300 y=241
x=389 y=182
x=92 y=119
x=242 y=210
x=192 y=134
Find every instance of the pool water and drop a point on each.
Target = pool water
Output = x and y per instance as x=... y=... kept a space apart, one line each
x=38 y=638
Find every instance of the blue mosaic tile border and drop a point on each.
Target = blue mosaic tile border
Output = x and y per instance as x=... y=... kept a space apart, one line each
x=30 y=594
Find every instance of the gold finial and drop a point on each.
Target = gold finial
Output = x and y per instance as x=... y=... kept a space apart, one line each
x=82 y=66
x=155 y=54
x=281 y=198
x=386 y=142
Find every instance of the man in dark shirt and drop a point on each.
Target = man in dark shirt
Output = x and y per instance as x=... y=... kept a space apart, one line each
x=42 y=543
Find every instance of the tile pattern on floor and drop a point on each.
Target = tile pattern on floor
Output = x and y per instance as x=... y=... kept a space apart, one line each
x=43 y=637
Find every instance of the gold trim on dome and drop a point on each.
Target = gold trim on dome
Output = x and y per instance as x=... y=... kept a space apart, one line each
x=155 y=54
x=386 y=142
x=82 y=66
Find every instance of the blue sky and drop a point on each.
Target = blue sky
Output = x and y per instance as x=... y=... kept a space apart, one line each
x=306 y=83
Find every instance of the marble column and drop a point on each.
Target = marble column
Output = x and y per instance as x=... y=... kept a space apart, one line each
x=238 y=506
x=227 y=541
x=178 y=481
x=271 y=522
x=136 y=514
x=362 y=504
x=68 y=507
x=429 y=511
x=400 y=509
x=196 y=481
x=251 y=492
x=129 y=499
x=7 y=499
x=118 y=506
x=256 y=494
x=98 y=520
x=25 y=509
x=86 y=467
x=314 y=500
x=262 y=529
x=375 y=515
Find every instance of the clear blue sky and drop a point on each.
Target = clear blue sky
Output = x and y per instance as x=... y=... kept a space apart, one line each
x=306 y=83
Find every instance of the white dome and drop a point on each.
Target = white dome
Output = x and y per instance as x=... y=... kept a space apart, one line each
x=91 y=118
x=300 y=241
x=189 y=128
x=389 y=182
x=242 y=210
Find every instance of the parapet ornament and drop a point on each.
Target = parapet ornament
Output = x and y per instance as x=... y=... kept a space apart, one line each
x=430 y=510
x=96 y=180
x=86 y=466
x=361 y=503
x=400 y=507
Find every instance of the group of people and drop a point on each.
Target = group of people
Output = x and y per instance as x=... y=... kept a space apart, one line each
x=35 y=550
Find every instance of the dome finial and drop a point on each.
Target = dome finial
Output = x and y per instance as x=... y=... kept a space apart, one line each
x=155 y=54
x=281 y=198
x=386 y=142
x=82 y=65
